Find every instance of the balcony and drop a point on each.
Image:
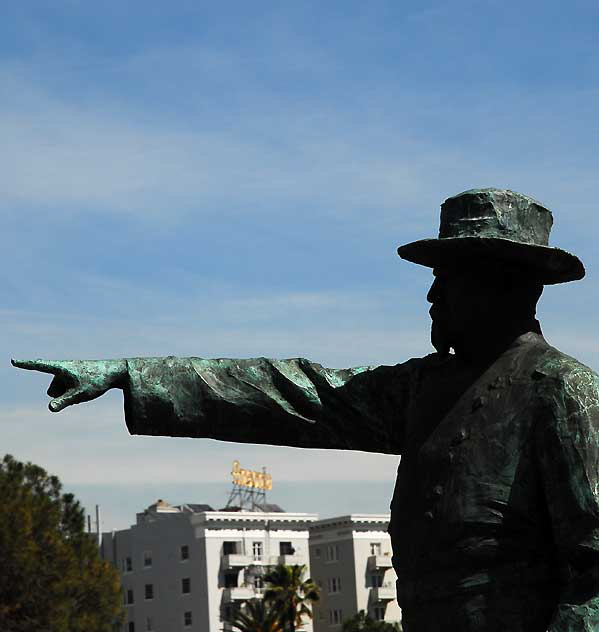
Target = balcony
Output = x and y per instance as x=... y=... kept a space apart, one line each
x=386 y=592
x=290 y=560
x=239 y=593
x=258 y=560
x=377 y=562
x=235 y=560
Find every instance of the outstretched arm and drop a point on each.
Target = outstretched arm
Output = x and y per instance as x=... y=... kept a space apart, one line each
x=282 y=402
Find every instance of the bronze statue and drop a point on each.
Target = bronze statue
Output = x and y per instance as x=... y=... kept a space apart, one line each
x=495 y=515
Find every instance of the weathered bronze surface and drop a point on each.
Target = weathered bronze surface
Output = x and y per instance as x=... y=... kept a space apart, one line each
x=495 y=515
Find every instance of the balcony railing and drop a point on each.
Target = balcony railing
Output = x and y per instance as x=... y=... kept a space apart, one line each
x=236 y=560
x=386 y=592
x=290 y=559
x=238 y=593
x=376 y=562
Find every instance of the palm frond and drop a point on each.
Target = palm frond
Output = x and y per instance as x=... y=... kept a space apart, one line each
x=290 y=594
x=257 y=616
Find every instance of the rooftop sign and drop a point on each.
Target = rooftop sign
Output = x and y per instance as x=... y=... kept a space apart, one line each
x=250 y=478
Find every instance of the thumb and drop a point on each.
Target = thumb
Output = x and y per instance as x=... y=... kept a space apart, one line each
x=73 y=396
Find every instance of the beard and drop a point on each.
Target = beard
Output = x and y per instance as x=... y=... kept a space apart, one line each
x=440 y=338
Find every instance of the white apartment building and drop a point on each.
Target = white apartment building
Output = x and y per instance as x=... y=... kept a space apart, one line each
x=187 y=568
x=350 y=559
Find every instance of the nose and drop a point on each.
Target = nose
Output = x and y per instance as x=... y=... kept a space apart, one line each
x=435 y=292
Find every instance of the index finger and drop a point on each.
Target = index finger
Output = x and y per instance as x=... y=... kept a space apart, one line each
x=46 y=366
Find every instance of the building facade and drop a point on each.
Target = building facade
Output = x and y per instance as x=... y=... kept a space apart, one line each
x=350 y=560
x=189 y=567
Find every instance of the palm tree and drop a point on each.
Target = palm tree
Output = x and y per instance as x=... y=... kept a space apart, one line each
x=361 y=622
x=290 y=594
x=257 y=616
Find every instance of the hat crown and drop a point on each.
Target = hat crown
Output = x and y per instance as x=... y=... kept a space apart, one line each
x=497 y=213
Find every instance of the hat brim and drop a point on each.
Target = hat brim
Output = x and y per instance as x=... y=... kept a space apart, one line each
x=549 y=265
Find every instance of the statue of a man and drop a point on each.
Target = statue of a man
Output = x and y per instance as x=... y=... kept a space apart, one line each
x=495 y=515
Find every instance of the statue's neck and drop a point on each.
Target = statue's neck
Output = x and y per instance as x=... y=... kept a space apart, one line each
x=482 y=347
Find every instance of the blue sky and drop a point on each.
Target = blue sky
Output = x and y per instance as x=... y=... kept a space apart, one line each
x=232 y=179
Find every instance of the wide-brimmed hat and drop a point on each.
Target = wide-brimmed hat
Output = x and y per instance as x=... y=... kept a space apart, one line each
x=496 y=224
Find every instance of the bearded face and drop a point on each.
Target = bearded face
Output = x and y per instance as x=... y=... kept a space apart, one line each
x=446 y=326
x=465 y=304
x=473 y=303
x=440 y=335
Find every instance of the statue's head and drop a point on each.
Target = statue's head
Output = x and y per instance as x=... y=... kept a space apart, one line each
x=475 y=302
x=490 y=261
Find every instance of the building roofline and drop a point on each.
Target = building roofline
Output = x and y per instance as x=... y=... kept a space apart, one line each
x=352 y=520
x=232 y=517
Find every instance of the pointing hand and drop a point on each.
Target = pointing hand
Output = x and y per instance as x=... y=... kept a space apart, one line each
x=77 y=381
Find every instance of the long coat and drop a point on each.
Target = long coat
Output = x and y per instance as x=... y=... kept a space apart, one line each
x=495 y=515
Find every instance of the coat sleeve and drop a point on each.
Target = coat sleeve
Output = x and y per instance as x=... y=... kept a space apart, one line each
x=569 y=460
x=291 y=402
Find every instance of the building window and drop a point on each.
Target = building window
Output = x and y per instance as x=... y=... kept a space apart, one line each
x=334 y=584
x=184 y=552
x=130 y=599
x=149 y=624
x=230 y=580
x=376 y=580
x=186 y=585
x=131 y=626
x=375 y=548
x=147 y=559
x=229 y=548
x=149 y=591
x=229 y=612
x=332 y=553
x=187 y=618
x=379 y=613
x=257 y=551
x=128 y=565
x=317 y=552
x=285 y=548
x=335 y=617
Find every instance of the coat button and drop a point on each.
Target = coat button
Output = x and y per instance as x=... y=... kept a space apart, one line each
x=459 y=437
x=478 y=402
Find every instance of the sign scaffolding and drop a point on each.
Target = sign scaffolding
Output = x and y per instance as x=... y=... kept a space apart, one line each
x=249 y=488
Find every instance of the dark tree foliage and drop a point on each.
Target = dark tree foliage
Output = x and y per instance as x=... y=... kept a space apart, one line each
x=257 y=616
x=361 y=622
x=51 y=576
x=290 y=594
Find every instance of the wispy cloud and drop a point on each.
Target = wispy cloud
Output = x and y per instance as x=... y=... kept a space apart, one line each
x=334 y=328
x=89 y=444
x=59 y=154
